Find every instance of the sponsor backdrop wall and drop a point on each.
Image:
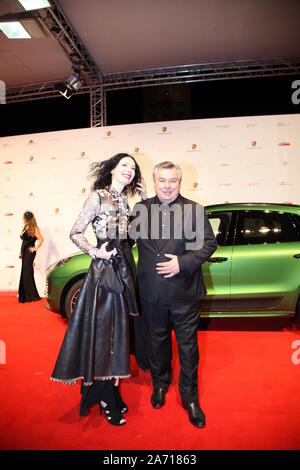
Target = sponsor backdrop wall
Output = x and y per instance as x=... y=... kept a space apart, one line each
x=233 y=159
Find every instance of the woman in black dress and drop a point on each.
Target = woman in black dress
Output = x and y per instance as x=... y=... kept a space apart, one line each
x=29 y=235
x=96 y=346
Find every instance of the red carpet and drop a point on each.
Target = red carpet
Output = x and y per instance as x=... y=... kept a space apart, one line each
x=250 y=392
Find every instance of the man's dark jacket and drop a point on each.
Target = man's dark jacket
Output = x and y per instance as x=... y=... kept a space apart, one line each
x=187 y=286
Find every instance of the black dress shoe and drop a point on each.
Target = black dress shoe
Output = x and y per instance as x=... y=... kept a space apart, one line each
x=158 y=397
x=196 y=415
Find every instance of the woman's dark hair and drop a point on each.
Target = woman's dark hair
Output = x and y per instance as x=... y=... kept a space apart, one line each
x=30 y=222
x=28 y=216
x=101 y=173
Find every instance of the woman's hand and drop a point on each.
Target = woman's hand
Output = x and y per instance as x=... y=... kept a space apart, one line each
x=102 y=253
x=31 y=249
x=141 y=186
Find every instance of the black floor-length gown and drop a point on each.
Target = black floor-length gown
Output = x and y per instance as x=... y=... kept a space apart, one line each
x=27 y=288
x=96 y=345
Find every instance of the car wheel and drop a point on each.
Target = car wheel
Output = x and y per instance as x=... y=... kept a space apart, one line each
x=297 y=315
x=72 y=296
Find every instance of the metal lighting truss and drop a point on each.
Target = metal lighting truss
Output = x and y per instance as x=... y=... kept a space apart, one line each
x=155 y=77
x=166 y=76
x=97 y=106
x=202 y=72
x=59 y=27
x=97 y=84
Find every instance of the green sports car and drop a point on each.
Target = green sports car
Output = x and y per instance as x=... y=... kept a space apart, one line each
x=255 y=270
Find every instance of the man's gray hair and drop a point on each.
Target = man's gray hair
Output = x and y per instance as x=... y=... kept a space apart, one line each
x=168 y=165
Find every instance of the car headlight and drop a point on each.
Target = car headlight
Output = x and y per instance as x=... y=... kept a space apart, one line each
x=57 y=264
x=61 y=262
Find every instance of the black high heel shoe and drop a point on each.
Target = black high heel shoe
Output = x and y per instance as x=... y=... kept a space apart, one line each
x=90 y=395
x=109 y=405
x=120 y=403
x=113 y=415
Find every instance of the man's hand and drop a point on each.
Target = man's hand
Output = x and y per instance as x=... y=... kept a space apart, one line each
x=168 y=268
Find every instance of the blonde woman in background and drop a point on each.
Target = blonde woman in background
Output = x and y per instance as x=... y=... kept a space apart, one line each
x=29 y=235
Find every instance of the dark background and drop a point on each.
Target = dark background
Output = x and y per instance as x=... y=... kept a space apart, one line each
x=222 y=98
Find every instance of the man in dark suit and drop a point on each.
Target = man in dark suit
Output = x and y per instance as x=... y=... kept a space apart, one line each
x=175 y=239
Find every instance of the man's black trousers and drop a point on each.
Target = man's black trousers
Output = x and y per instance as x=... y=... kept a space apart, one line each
x=159 y=319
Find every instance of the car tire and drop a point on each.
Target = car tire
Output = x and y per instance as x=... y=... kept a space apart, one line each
x=71 y=297
x=297 y=315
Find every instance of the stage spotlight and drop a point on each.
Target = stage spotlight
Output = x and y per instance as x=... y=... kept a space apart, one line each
x=64 y=90
x=70 y=86
x=74 y=82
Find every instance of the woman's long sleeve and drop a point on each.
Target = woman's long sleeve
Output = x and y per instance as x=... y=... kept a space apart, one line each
x=89 y=211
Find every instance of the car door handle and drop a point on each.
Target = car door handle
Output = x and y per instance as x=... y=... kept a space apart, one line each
x=297 y=256
x=217 y=259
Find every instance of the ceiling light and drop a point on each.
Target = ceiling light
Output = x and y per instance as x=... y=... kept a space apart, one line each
x=14 y=30
x=34 y=4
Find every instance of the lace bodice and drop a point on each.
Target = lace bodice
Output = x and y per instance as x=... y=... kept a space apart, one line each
x=108 y=212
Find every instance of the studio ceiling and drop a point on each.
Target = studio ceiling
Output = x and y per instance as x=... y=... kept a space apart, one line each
x=123 y=35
